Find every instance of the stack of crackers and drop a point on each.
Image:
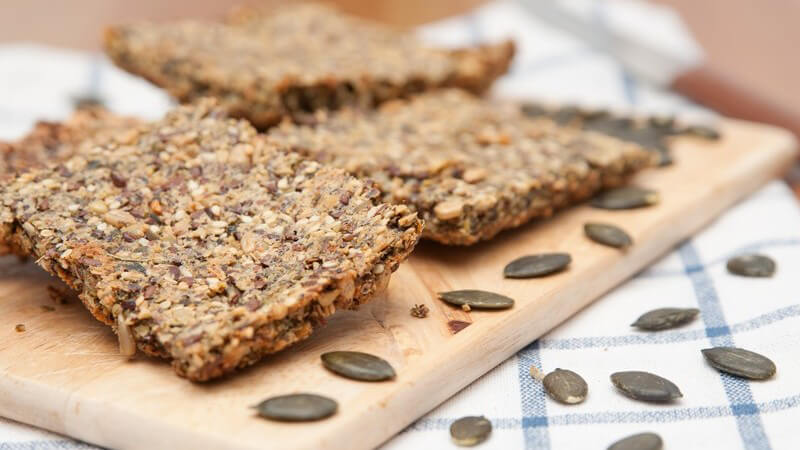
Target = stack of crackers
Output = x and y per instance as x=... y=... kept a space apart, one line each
x=312 y=152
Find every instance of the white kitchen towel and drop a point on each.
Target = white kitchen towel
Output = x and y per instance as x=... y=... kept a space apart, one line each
x=717 y=411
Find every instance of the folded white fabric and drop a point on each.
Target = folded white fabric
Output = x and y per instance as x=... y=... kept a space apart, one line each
x=717 y=411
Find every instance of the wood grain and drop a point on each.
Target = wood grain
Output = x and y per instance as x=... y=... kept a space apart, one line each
x=64 y=373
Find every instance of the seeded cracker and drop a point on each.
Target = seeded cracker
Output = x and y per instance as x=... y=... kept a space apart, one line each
x=294 y=60
x=470 y=168
x=199 y=243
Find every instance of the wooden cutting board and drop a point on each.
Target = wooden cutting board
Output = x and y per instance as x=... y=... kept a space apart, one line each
x=64 y=374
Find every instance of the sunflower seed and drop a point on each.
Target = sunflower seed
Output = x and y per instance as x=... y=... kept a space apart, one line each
x=565 y=386
x=641 y=441
x=665 y=318
x=645 y=386
x=606 y=234
x=470 y=430
x=358 y=366
x=740 y=362
x=296 y=407
x=751 y=265
x=625 y=198
x=477 y=299
x=537 y=265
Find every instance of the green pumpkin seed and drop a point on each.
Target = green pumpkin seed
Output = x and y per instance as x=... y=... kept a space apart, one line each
x=606 y=234
x=665 y=159
x=665 y=318
x=537 y=265
x=477 y=299
x=565 y=115
x=645 y=386
x=358 y=366
x=296 y=407
x=629 y=197
x=641 y=441
x=565 y=386
x=751 y=265
x=661 y=122
x=533 y=110
x=740 y=362
x=702 y=131
x=470 y=430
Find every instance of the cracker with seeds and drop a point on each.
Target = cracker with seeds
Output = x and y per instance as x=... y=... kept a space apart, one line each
x=294 y=60
x=199 y=242
x=469 y=167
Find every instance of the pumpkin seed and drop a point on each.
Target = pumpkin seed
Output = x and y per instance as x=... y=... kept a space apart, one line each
x=628 y=197
x=645 y=386
x=665 y=159
x=532 y=266
x=565 y=386
x=740 y=362
x=661 y=122
x=702 y=131
x=751 y=265
x=358 y=366
x=641 y=441
x=665 y=318
x=533 y=110
x=477 y=299
x=565 y=115
x=606 y=234
x=296 y=407
x=470 y=430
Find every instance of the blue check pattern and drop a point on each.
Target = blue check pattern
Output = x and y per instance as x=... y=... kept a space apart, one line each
x=717 y=411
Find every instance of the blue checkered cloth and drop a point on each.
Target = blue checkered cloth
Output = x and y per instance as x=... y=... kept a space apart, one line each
x=717 y=411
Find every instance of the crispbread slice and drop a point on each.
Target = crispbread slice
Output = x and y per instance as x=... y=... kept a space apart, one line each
x=198 y=242
x=469 y=167
x=294 y=60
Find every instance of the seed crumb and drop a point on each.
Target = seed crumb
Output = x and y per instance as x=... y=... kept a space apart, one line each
x=20 y=327
x=419 y=311
x=536 y=373
x=457 y=325
x=466 y=308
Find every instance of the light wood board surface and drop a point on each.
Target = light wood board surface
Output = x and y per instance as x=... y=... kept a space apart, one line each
x=64 y=373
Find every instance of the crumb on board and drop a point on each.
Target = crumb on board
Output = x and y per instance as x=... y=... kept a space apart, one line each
x=420 y=311
x=20 y=327
x=536 y=374
x=466 y=308
x=457 y=325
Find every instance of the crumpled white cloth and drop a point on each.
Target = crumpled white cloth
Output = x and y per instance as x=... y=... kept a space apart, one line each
x=717 y=411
